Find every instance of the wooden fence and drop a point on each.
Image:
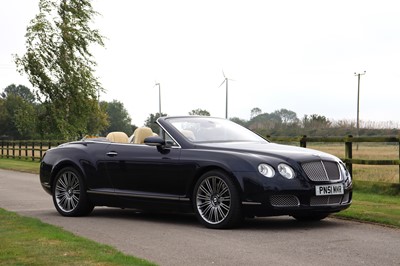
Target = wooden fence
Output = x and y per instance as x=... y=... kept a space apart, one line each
x=26 y=149
x=348 y=144
x=34 y=149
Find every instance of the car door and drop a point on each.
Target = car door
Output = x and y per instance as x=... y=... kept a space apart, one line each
x=141 y=170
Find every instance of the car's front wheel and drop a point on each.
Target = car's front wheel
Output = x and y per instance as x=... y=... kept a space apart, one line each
x=216 y=201
x=69 y=194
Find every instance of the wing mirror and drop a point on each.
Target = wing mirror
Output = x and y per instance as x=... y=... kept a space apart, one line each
x=154 y=141
x=157 y=141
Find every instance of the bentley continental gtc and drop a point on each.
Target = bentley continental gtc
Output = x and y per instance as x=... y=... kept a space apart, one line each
x=212 y=167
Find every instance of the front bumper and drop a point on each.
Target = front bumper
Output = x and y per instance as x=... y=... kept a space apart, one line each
x=291 y=197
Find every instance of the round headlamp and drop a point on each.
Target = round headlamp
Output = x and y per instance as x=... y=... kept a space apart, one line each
x=286 y=171
x=266 y=170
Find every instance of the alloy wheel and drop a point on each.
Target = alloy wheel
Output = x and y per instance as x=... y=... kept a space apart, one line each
x=213 y=200
x=67 y=191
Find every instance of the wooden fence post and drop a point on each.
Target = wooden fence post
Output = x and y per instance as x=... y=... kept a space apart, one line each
x=41 y=150
x=8 y=149
x=33 y=150
x=303 y=141
x=26 y=150
x=13 y=150
x=348 y=154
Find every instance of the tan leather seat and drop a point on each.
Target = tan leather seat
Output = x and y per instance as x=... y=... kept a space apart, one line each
x=188 y=134
x=141 y=133
x=117 y=136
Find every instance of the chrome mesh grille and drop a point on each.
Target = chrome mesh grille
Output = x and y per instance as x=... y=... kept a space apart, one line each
x=322 y=171
x=326 y=200
x=284 y=201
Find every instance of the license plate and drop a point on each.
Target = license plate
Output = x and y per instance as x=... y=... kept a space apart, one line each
x=325 y=190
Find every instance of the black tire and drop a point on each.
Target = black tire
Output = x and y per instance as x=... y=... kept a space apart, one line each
x=311 y=217
x=216 y=201
x=69 y=194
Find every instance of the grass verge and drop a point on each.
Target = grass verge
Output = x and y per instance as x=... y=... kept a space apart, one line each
x=20 y=165
x=376 y=208
x=376 y=202
x=28 y=241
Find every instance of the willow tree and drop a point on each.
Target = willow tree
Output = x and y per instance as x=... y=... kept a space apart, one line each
x=60 y=67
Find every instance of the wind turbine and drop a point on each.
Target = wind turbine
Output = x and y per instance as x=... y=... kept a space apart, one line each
x=159 y=96
x=226 y=93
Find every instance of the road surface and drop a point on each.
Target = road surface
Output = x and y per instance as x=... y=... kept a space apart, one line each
x=168 y=239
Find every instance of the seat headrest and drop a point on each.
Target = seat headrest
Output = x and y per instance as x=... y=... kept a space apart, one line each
x=188 y=134
x=141 y=133
x=117 y=136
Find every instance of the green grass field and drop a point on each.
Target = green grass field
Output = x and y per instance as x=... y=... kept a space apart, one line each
x=376 y=208
x=368 y=151
x=28 y=241
x=20 y=165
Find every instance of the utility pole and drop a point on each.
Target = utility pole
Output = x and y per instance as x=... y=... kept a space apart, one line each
x=159 y=97
x=358 y=103
x=226 y=98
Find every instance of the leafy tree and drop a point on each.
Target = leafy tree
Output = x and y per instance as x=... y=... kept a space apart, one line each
x=199 y=111
x=19 y=117
x=287 y=117
x=118 y=117
x=265 y=121
x=18 y=112
x=315 y=121
x=239 y=121
x=21 y=91
x=58 y=63
x=97 y=121
x=255 y=112
x=150 y=121
x=3 y=118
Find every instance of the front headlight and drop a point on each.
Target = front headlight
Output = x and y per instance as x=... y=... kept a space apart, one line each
x=266 y=170
x=345 y=173
x=286 y=171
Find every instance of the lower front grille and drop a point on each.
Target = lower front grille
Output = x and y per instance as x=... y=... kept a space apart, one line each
x=326 y=200
x=284 y=201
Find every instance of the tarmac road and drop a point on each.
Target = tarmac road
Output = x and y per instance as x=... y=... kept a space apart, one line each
x=168 y=239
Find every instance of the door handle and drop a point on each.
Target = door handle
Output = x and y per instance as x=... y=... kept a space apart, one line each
x=112 y=153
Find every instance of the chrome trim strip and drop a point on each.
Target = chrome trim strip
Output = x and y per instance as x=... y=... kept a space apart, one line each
x=132 y=195
x=166 y=132
x=326 y=173
x=251 y=203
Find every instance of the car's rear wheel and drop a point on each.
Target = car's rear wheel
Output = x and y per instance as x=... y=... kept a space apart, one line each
x=310 y=217
x=69 y=194
x=216 y=201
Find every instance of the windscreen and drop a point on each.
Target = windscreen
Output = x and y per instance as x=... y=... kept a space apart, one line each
x=206 y=129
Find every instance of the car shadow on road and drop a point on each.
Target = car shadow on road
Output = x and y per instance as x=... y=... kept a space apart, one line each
x=288 y=223
x=258 y=223
x=149 y=216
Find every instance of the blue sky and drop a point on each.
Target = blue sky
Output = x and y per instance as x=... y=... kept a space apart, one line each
x=298 y=55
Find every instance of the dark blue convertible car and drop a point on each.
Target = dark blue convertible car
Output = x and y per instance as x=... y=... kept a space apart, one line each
x=212 y=167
